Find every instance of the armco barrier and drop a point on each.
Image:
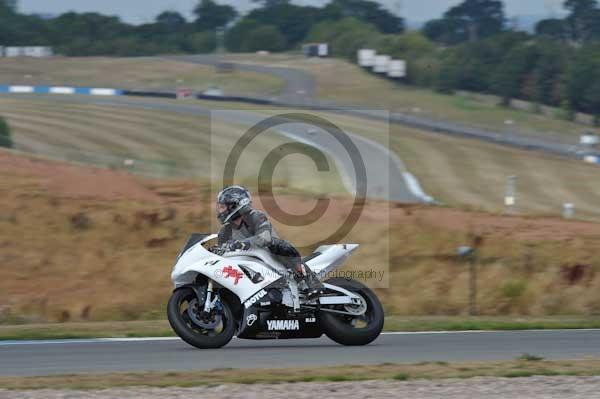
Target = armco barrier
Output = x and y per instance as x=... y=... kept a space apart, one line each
x=141 y=93
x=95 y=91
x=88 y=91
x=239 y=99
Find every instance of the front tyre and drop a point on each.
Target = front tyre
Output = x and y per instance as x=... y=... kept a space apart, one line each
x=213 y=331
x=350 y=329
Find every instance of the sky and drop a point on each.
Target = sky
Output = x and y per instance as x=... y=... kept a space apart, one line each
x=140 y=11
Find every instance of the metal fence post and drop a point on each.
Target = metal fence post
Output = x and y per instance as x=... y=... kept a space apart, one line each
x=473 y=285
x=470 y=254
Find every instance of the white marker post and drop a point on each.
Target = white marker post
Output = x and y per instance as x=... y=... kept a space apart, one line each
x=510 y=200
x=568 y=210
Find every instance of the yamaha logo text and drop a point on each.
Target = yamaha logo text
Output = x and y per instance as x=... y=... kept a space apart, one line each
x=283 y=325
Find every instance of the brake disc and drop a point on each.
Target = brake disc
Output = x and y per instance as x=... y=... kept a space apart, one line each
x=197 y=316
x=358 y=309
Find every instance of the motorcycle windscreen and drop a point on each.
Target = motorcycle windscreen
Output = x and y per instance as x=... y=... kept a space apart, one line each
x=194 y=239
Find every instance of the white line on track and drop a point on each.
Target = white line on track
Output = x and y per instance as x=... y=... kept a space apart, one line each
x=156 y=339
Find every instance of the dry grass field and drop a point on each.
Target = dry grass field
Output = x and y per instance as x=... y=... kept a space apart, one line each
x=132 y=73
x=80 y=243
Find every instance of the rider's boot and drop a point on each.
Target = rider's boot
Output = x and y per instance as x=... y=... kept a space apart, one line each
x=309 y=282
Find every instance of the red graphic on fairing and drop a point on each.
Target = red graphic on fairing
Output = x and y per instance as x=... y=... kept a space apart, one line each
x=233 y=273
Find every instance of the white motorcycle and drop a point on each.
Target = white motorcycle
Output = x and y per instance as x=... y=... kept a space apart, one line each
x=249 y=294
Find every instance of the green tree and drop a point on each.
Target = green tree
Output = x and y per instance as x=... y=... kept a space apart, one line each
x=171 y=20
x=210 y=15
x=346 y=36
x=511 y=74
x=266 y=38
x=552 y=28
x=291 y=20
x=87 y=26
x=410 y=45
x=271 y=3
x=583 y=18
x=5 y=135
x=473 y=73
x=470 y=20
x=18 y=29
x=446 y=30
x=474 y=66
x=234 y=37
x=367 y=11
x=447 y=80
x=11 y=4
x=549 y=72
x=416 y=49
x=582 y=87
x=249 y=35
x=202 y=42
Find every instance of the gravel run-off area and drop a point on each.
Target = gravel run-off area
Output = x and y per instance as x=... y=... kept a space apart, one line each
x=483 y=387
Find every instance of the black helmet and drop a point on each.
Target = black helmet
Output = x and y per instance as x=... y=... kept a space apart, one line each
x=238 y=201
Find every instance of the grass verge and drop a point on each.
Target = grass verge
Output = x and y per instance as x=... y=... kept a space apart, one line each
x=161 y=328
x=386 y=371
x=134 y=73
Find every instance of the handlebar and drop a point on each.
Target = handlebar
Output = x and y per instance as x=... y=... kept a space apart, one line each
x=218 y=249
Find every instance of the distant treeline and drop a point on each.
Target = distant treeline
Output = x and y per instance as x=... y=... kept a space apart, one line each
x=472 y=47
x=276 y=25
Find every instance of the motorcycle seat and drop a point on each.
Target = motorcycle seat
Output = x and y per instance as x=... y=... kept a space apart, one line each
x=305 y=259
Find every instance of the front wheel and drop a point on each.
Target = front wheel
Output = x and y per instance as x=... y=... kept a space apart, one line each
x=349 y=329
x=197 y=329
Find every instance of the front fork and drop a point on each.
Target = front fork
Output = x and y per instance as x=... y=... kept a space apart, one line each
x=212 y=300
x=209 y=292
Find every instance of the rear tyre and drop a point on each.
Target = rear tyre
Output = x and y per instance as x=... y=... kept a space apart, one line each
x=353 y=330
x=188 y=328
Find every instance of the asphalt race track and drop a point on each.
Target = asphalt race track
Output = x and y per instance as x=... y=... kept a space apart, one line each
x=168 y=354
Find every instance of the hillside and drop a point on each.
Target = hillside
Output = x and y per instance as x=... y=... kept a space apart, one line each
x=167 y=143
x=342 y=82
x=81 y=243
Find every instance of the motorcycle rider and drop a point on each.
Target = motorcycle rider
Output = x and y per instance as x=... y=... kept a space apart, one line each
x=245 y=228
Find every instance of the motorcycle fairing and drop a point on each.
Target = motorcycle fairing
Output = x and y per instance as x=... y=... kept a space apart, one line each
x=228 y=270
x=270 y=321
x=330 y=258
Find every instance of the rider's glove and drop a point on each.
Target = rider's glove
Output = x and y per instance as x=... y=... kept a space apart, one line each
x=235 y=245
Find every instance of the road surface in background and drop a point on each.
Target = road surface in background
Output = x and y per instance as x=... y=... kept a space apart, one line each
x=378 y=159
x=300 y=90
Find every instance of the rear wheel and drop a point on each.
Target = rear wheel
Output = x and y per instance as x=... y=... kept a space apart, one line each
x=362 y=325
x=203 y=331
